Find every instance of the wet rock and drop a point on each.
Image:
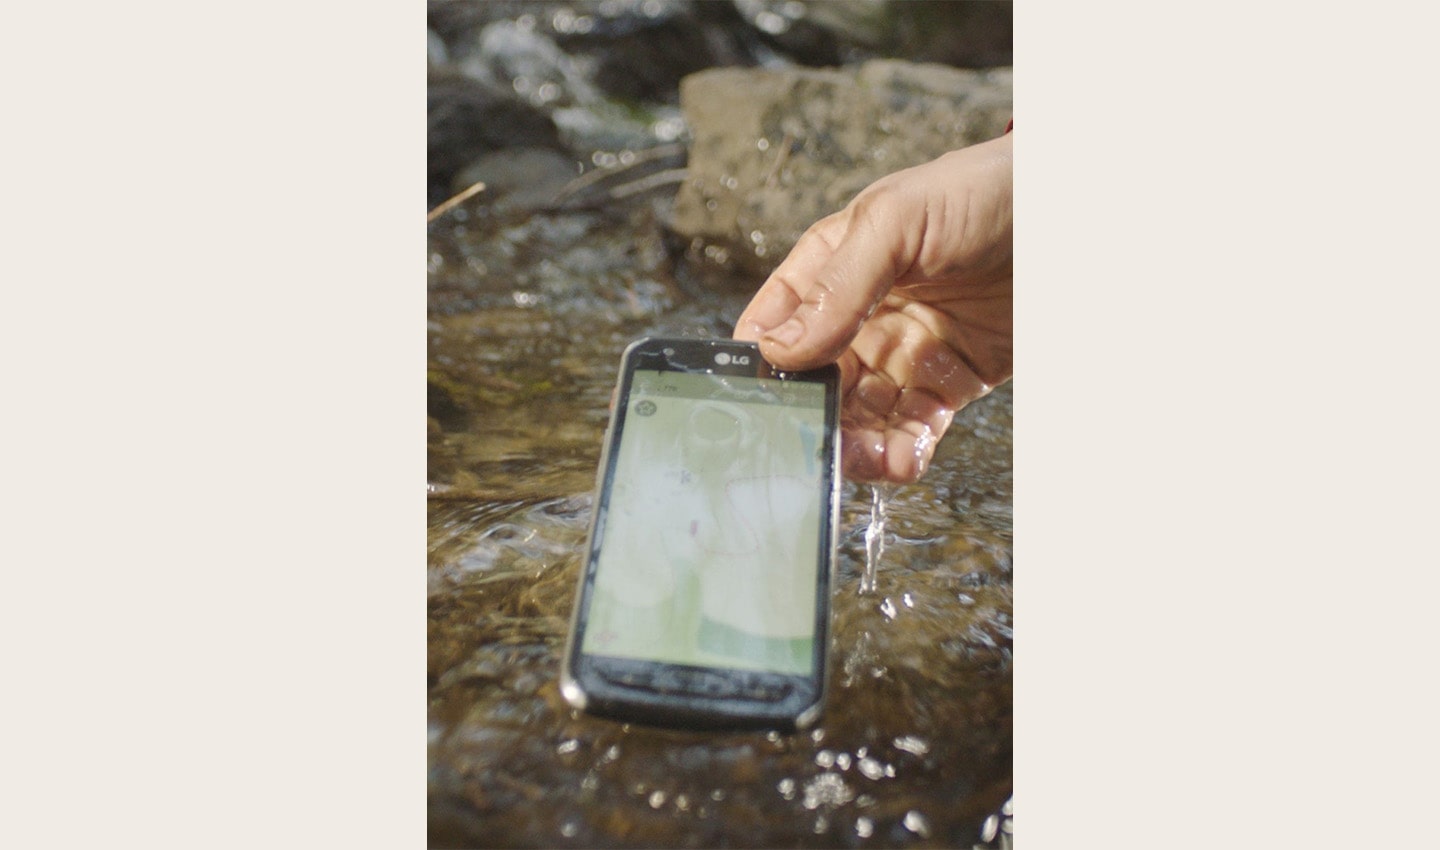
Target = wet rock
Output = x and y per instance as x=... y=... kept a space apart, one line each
x=967 y=35
x=643 y=49
x=519 y=178
x=467 y=118
x=822 y=34
x=834 y=32
x=773 y=151
x=632 y=50
x=514 y=55
x=435 y=53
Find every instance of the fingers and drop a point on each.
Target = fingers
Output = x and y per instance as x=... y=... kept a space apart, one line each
x=811 y=309
x=901 y=387
x=890 y=432
x=898 y=454
x=781 y=293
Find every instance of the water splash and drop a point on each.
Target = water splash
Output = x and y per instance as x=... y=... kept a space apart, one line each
x=874 y=536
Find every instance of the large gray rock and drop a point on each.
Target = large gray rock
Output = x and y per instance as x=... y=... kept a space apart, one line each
x=775 y=150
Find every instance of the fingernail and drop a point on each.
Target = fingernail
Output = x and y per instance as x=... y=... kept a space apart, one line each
x=787 y=334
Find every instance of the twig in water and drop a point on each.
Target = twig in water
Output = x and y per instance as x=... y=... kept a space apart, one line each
x=595 y=176
x=452 y=202
x=644 y=184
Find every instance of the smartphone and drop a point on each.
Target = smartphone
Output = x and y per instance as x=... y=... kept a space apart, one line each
x=704 y=595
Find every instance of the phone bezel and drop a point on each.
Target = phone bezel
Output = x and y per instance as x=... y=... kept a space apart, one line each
x=610 y=686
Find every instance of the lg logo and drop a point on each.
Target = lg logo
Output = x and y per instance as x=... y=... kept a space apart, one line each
x=724 y=358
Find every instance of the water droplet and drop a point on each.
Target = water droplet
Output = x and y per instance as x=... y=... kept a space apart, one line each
x=912 y=744
x=874 y=539
x=763 y=144
x=917 y=823
x=1008 y=810
x=822 y=823
x=818 y=735
x=888 y=609
x=871 y=768
x=825 y=759
x=682 y=803
x=657 y=799
x=569 y=828
x=827 y=789
x=567 y=747
x=786 y=787
x=864 y=827
x=670 y=129
x=1007 y=826
x=989 y=828
x=908 y=600
x=924 y=445
x=769 y=22
x=717 y=795
x=842 y=761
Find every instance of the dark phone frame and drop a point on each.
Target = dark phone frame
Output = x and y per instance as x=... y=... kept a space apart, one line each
x=672 y=694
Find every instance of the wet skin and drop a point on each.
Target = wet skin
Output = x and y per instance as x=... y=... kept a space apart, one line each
x=908 y=288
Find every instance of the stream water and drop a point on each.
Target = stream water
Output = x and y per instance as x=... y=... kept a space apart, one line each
x=529 y=305
x=528 y=318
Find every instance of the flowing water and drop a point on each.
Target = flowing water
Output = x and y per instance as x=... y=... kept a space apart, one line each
x=529 y=308
x=874 y=537
x=528 y=316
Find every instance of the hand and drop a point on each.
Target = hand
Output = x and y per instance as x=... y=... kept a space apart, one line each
x=908 y=288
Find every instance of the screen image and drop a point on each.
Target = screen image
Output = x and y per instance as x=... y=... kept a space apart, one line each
x=712 y=533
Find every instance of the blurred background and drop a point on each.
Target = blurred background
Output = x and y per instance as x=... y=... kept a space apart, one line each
x=644 y=164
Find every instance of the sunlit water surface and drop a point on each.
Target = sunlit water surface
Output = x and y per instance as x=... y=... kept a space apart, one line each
x=527 y=322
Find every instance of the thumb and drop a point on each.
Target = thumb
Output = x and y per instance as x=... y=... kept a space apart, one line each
x=869 y=251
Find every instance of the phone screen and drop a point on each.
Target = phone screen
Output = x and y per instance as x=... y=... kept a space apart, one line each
x=713 y=524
